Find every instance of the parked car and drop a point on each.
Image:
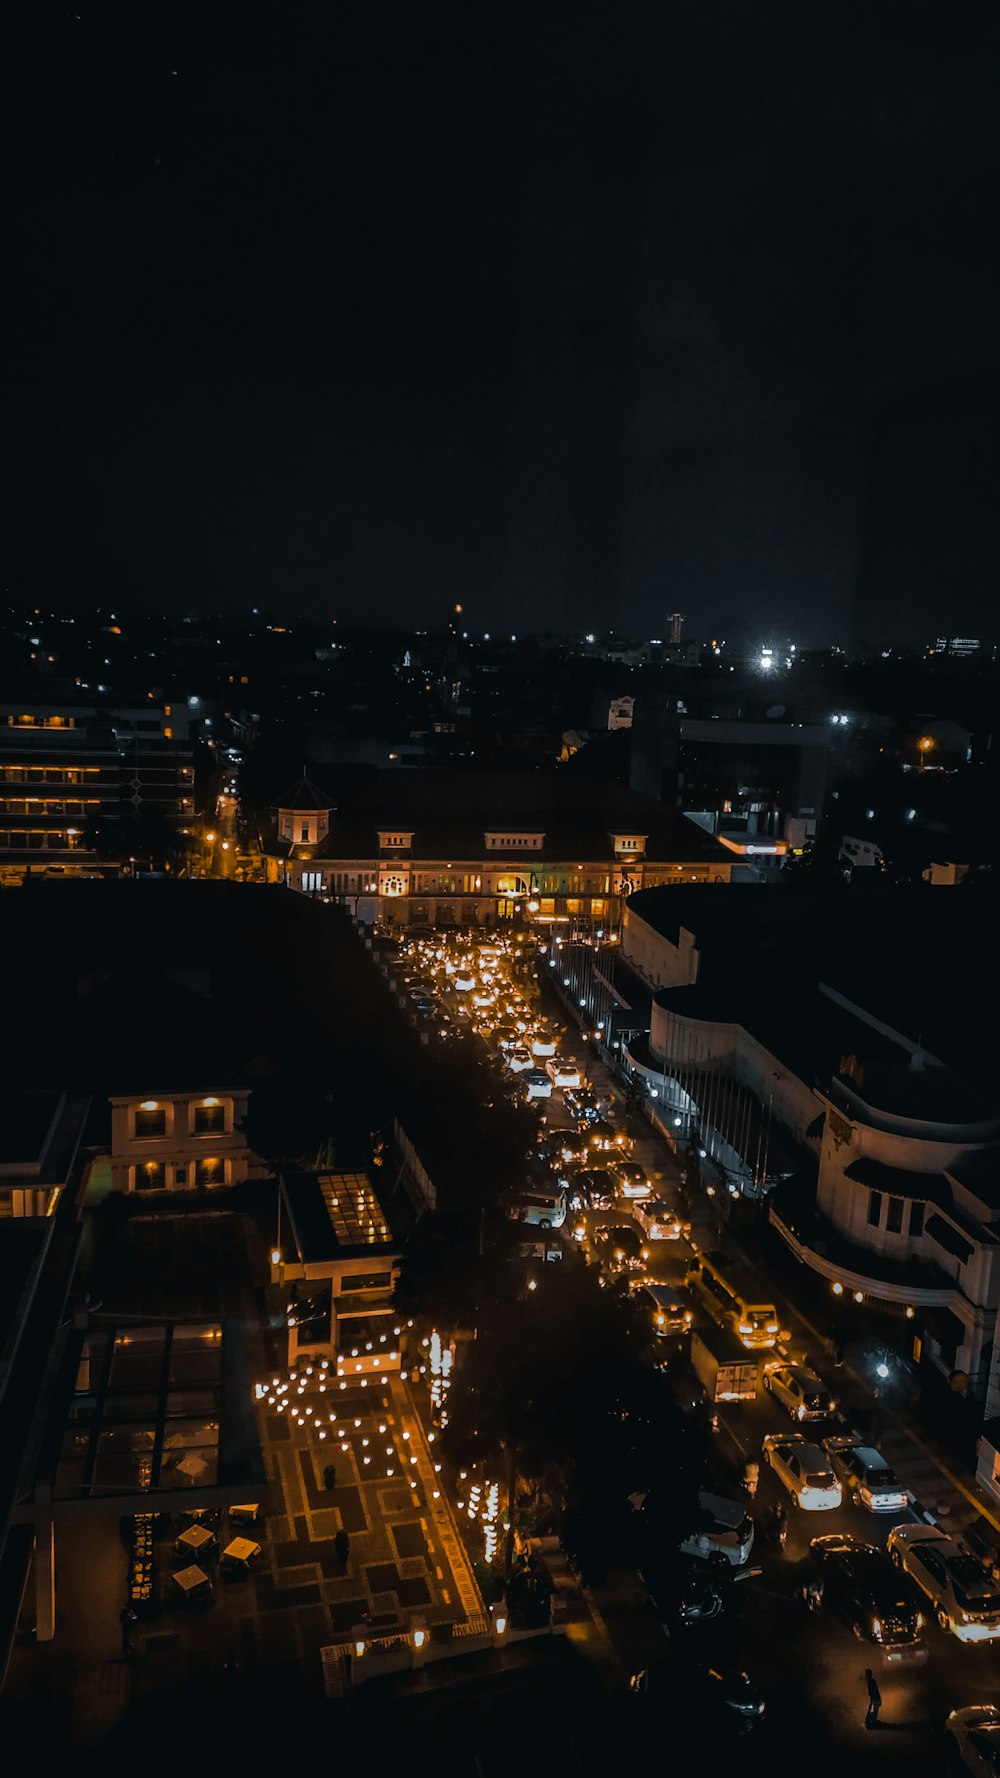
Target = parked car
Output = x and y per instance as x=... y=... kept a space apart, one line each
x=723 y=1535
x=868 y=1480
x=669 y=1313
x=965 y=1599
x=861 y=1584
x=804 y=1469
x=973 y=1739
x=803 y=1395
x=563 y=1071
x=683 y=1598
x=733 y=1694
x=632 y=1179
x=619 y=1248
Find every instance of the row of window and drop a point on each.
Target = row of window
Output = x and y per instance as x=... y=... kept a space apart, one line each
x=151 y=1121
x=22 y=774
x=48 y=805
x=158 y=1176
x=939 y=1230
x=39 y=839
x=894 y=1215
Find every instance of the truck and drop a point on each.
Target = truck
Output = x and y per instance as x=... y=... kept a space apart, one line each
x=727 y=1371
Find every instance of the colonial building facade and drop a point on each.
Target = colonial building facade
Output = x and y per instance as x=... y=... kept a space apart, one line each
x=463 y=849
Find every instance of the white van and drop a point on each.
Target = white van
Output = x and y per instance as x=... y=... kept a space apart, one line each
x=546 y=1208
x=725 y=1535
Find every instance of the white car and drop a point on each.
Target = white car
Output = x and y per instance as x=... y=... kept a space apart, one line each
x=463 y=981
x=805 y=1470
x=802 y=1393
x=563 y=1071
x=723 y=1535
x=543 y=1045
x=974 y=1739
x=867 y=1478
x=965 y=1600
x=658 y=1221
x=537 y=1084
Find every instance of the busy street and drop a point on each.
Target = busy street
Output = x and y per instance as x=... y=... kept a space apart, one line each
x=827 y=1580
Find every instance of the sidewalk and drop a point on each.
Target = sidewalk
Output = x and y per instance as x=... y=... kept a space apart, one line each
x=944 y=1491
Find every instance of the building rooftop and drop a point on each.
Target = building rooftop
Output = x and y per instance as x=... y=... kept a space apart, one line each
x=449 y=813
x=920 y=961
x=333 y=1215
x=304 y=795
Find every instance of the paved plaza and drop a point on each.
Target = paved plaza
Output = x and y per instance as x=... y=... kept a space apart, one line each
x=261 y=1633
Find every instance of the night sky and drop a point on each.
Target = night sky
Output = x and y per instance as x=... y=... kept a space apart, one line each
x=578 y=314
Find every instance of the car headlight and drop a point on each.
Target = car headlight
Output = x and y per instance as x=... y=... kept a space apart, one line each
x=661 y=1320
x=772 y=1327
x=918 y=1621
x=964 y=1617
x=800 y=1413
x=745 y=1327
x=877 y=1628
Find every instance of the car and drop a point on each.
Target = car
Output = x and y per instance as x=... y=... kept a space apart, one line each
x=805 y=1470
x=519 y=1059
x=506 y=1037
x=619 y=1247
x=965 y=1599
x=734 y=1694
x=800 y=1392
x=542 y=1044
x=671 y=1316
x=723 y=1534
x=537 y=1084
x=569 y=1147
x=862 y=1585
x=463 y=981
x=593 y=1187
x=973 y=1739
x=656 y=1218
x=563 y=1071
x=583 y=1104
x=867 y=1478
x=685 y=1597
x=631 y=1179
x=599 y=1136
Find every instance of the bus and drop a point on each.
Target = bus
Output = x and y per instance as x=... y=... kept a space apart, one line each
x=730 y=1298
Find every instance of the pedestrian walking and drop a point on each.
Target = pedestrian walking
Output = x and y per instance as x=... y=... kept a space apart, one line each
x=330 y=1477
x=126 y=1617
x=342 y=1545
x=874 y=1700
x=751 y=1477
